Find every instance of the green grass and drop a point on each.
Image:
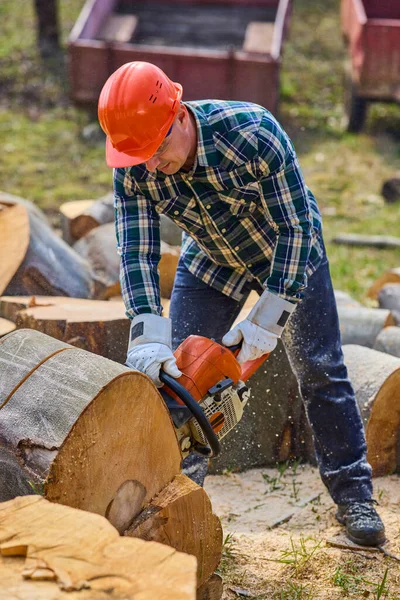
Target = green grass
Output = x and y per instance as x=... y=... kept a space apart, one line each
x=46 y=159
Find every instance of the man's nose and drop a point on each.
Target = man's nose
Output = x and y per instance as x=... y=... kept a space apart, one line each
x=152 y=164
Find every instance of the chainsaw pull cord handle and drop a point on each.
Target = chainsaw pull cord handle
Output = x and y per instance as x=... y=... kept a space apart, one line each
x=250 y=366
x=197 y=412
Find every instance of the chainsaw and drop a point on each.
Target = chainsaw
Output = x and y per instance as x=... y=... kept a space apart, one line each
x=207 y=401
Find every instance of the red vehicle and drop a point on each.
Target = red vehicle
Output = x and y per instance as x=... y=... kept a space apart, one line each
x=229 y=49
x=372 y=31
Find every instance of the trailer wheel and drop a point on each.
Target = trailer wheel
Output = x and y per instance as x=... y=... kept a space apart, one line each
x=355 y=107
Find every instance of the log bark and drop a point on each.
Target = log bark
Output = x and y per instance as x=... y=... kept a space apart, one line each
x=391 y=276
x=50 y=266
x=98 y=247
x=368 y=241
x=389 y=297
x=51 y=552
x=14 y=240
x=389 y=341
x=78 y=217
x=91 y=434
x=376 y=380
x=94 y=325
x=181 y=516
x=361 y=325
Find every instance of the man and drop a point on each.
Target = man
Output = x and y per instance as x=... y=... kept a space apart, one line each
x=228 y=175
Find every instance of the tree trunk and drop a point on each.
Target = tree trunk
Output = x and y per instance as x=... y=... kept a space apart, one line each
x=361 y=325
x=391 y=276
x=91 y=434
x=51 y=552
x=47 y=27
x=94 y=325
x=376 y=380
x=50 y=266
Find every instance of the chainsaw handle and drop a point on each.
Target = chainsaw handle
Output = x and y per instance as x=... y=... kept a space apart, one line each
x=196 y=410
x=250 y=366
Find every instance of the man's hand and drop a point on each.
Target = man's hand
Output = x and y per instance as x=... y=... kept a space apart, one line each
x=262 y=328
x=256 y=340
x=150 y=347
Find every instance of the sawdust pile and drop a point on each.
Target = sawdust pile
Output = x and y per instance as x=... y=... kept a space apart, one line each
x=282 y=540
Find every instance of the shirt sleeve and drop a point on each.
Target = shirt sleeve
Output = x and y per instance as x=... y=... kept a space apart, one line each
x=137 y=226
x=285 y=199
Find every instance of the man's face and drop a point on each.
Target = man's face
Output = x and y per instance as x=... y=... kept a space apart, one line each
x=176 y=149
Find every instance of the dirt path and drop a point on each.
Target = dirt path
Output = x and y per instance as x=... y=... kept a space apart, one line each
x=278 y=531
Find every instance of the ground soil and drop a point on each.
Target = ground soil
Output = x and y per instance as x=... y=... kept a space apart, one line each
x=279 y=528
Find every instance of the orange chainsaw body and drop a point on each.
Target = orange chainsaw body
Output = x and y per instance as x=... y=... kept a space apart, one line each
x=204 y=363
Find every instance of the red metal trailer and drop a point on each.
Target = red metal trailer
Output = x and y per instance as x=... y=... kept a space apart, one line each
x=227 y=49
x=372 y=31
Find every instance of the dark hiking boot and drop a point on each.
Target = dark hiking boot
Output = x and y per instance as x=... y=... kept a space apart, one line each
x=363 y=524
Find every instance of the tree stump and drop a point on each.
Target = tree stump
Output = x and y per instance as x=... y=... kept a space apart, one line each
x=376 y=380
x=52 y=552
x=391 y=276
x=91 y=434
x=361 y=326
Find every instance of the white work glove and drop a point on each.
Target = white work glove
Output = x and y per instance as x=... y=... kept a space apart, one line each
x=262 y=328
x=150 y=347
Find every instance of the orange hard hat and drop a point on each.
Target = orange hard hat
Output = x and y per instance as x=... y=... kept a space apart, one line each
x=137 y=106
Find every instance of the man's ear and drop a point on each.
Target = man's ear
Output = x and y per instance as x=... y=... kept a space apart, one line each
x=183 y=114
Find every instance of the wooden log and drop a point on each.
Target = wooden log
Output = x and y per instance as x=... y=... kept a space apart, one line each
x=98 y=247
x=92 y=434
x=388 y=341
x=181 y=515
x=391 y=276
x=50 y=266
x=51 y=552
x=212 y=589
x=78 y=217
x=14 y=240
x=368 y=241
x=6 y=326
x=376 y=380
x=66 y=411
x=94 y=325
x=361 y=325
x=389 y=297
x=344 y=299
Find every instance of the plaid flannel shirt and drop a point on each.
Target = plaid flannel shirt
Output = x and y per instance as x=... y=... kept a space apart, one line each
x=244 y=207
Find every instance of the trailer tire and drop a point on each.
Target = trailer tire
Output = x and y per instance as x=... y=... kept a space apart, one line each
x=355 y=107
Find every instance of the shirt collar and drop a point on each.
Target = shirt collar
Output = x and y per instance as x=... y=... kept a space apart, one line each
x=206 y=155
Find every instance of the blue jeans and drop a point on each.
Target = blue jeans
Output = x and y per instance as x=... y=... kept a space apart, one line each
x=312 y=342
